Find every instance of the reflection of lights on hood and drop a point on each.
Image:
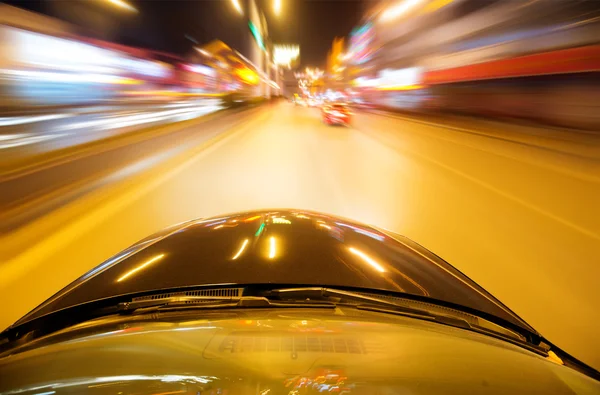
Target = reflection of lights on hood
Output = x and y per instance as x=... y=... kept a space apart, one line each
x=140 y=267
x=252 y=218
x=325 y=226
x=211 y=223
x=363 y=231
x=272 y=247
x=242 y=248
x=302 y=216
x=277 y=220
x=260 y=229
x=367 y=259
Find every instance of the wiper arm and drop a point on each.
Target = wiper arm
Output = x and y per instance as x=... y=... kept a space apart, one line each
x=207 y=302
x=341 y=296
x=372 y=303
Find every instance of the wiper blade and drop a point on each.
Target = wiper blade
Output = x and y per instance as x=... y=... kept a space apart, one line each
x=372 y=303
x=178 y=302
x=342 y=296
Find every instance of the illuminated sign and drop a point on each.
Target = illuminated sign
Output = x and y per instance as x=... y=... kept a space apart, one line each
x=257 y=35
x=284 y=55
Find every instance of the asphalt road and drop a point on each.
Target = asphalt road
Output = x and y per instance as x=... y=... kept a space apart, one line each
x=513 y=207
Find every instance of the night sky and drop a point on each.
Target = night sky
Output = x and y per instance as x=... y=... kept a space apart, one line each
x=164 y=25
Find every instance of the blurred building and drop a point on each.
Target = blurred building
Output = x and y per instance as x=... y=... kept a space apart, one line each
x=536 y=59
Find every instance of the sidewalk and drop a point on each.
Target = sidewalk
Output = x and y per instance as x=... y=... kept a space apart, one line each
x=581 y=143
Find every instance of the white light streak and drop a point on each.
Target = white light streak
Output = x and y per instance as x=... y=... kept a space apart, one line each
x=399 y=9
x=272 y=249
x=367 y=259
x=140 y=267
x=242 y=248
x=237 y=6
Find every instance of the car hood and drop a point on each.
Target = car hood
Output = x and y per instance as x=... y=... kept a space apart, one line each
x=277 y=247
x=296 y=351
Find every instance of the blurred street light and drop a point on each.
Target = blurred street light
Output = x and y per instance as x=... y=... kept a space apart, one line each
x=402 y=7
x=237 y=6
x=203 y=52
x=123 y=4
x=277 y=6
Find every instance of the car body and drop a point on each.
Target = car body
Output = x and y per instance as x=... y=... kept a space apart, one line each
x=336 y=114
x=280 y=301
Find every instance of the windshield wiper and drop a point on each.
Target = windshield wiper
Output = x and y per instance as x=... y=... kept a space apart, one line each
x=209 y=302
x=342 y=296
x=431 y=312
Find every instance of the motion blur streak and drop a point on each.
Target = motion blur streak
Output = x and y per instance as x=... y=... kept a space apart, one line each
x=474 y=131
x=23 y=120
x=122 y=4
x=140 y=267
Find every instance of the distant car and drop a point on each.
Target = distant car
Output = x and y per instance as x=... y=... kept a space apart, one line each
x=280 y=302
x=336 y=114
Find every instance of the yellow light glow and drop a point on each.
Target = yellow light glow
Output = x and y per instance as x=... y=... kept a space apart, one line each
x=400 y=88
x=272 y=247
x=242 y=248
x=140 y=267
x=237 y=6
x=277 y=6
x=218 y=227
x=325 y=226
x=247 y=75
x=122 y=4
x=277 y=220
x=436 y=5
x=367 y=259
x=252 y=218
x=301 y=215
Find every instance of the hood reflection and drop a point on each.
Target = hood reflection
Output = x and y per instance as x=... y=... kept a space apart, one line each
x=281 y=247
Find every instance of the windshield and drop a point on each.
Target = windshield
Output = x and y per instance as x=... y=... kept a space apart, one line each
x=442 y=151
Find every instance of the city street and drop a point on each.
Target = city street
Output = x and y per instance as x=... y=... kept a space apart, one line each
x=515 y=208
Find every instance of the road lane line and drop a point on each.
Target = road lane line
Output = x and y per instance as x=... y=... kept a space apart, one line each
x=559 y=169
x=489 y=187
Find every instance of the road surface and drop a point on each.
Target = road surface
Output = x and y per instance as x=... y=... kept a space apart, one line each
x=513 y=207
